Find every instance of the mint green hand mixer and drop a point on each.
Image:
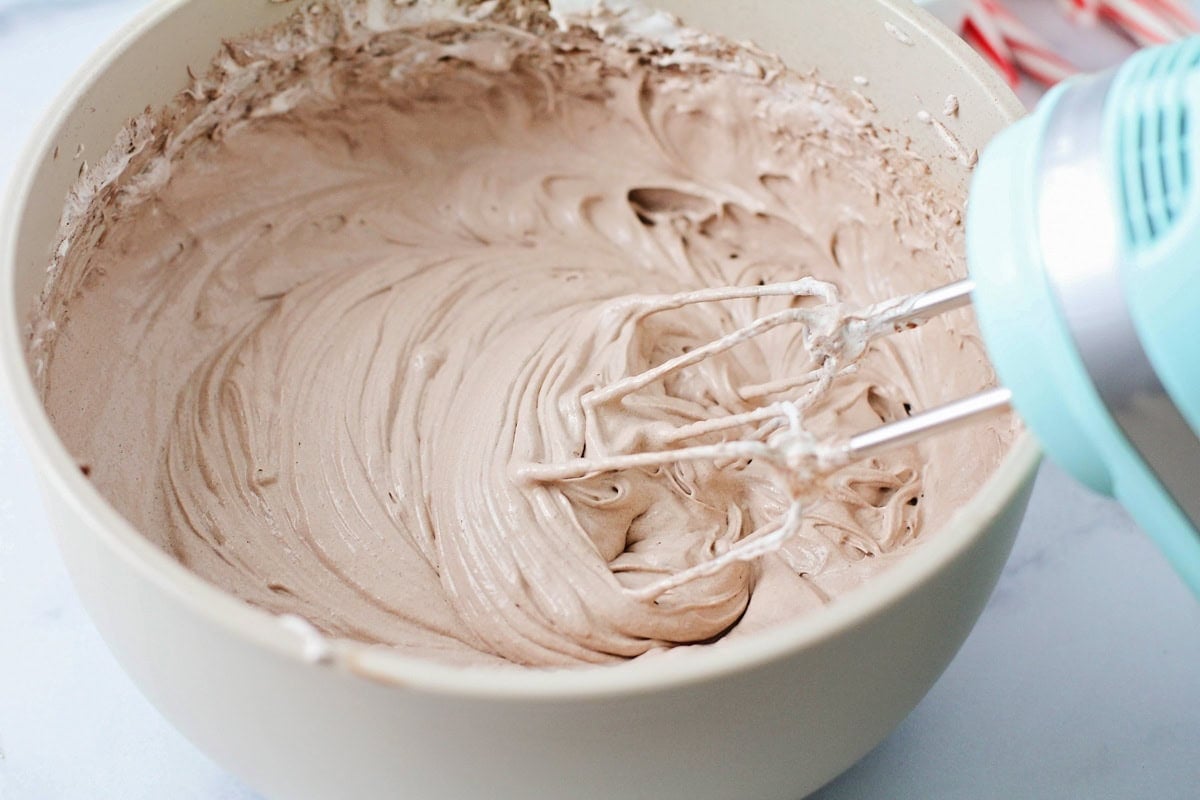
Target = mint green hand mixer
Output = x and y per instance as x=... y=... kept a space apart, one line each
x=1083 y=247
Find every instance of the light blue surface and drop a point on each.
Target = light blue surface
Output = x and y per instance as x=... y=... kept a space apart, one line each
x=1161 y=260
x=1027 y=337
x=1161 y=88
x=1078 y=682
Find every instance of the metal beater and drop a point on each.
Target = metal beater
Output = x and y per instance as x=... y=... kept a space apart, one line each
x=1083 y=246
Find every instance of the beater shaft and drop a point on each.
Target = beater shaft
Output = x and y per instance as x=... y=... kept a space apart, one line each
x=915 y=309
x=873 y=322
x=937 y=419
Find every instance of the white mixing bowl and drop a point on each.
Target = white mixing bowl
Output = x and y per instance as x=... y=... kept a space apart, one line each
x=774 y=716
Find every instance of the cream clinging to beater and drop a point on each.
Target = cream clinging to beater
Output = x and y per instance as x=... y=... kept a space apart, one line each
x=390 y=515
x=1081 y=245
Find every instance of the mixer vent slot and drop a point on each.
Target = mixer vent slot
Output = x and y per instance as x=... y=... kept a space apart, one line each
x=1152 y=139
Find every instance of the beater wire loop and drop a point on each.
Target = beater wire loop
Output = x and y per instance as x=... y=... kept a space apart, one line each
x=774 y=434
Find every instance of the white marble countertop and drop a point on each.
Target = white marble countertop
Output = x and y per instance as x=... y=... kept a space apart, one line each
x=1082 y=679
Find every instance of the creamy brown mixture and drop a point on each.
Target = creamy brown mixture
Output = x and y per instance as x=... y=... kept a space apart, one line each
x=333 y=295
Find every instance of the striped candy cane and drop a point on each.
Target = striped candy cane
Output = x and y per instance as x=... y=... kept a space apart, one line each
x=1014 y=49
x=1147 y=22
x=1011 y=46
x=981 y=31
x=1030 y=51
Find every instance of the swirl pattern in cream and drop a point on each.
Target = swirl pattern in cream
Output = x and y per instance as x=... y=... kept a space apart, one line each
x=358 y=274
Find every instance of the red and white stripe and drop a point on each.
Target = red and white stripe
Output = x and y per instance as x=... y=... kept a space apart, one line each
x=1011 y=46
x=1014 y=49
x=1033 y=55
x=1147 y=22
x=981 y=31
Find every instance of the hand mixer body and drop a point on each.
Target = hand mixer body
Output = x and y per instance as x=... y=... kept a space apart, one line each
x=1083 y=242
x=1083 y=239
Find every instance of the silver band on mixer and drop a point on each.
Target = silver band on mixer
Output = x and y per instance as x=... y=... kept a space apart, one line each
x=1083 y=263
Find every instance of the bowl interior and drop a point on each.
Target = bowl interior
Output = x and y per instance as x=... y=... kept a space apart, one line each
x=892 y=53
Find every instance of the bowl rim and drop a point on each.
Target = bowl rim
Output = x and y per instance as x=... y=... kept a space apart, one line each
x=379 y=663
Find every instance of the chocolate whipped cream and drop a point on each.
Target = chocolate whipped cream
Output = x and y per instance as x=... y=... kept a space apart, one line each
x=306 y=321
